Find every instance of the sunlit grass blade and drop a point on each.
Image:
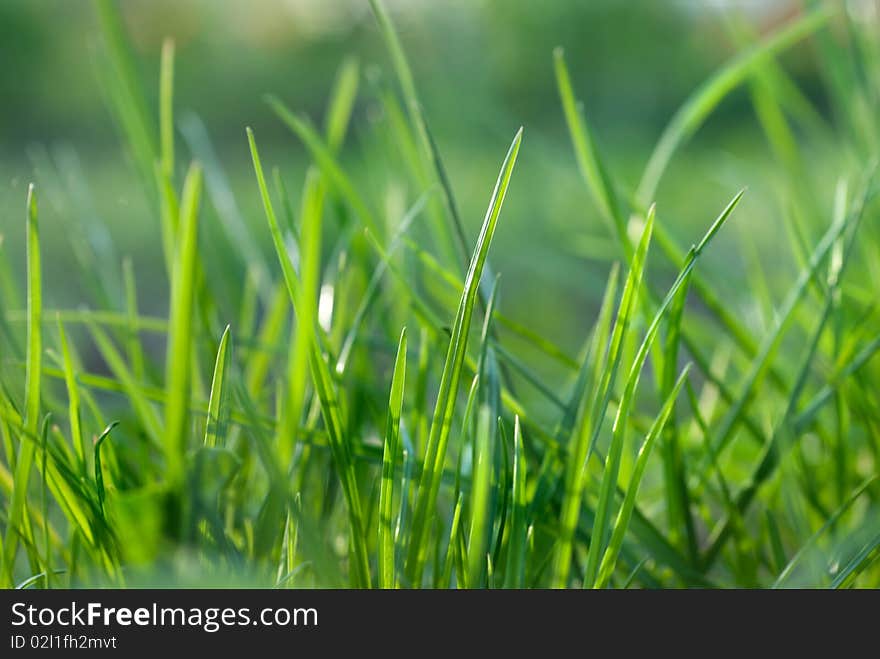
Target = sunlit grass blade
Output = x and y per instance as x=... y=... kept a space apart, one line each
x=609 y=560
x=303 y=342
x=386 y=543
x=16 y=511
x=517 y=548
x=342 y=100
x=479 y=500
x=218 y=408
x=445 y=406
x=178 y=361
x=678 y=503
x=867 y=555
x=166 y=109
x=99 y=469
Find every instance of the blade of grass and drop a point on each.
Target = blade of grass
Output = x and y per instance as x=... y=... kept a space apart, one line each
x=517 y=548
x=178 y=361
x=481 y=484
x=612 y=462
x=589 y=162
x=218 y=407
x=17 y=510
x=580 y=420
x=386 y=543
x=99 y=471
x=443 y=411
x=609 y=560
x=166 y=109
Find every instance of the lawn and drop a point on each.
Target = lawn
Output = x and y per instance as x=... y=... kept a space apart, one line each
x=398 y=358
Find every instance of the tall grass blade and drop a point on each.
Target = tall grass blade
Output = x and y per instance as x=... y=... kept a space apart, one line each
x=435 y=453
x=386 y=544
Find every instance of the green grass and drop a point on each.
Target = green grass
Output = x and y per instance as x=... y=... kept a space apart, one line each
x=363 y=409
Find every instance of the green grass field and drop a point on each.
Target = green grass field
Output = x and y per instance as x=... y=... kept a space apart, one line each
x=353 y=395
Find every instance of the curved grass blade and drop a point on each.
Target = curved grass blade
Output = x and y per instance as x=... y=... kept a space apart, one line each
x=435 y=453
x=867 y=555
x=99 y=471
x=702 y=102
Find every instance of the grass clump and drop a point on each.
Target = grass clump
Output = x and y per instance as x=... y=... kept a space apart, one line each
x=339 y=421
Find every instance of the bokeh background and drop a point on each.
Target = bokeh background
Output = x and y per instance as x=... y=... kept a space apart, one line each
x=483 y=67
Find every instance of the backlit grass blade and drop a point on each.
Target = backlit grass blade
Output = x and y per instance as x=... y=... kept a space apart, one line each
x=517 y=548
x=691 y=115
x=303 y=342
x=178 y=361
x=342 y=99
x=435 y=453
x=218 y=407
x=609 y=560
x=99 y=470
x=386 y=548
x=166 y=109
x=16 y=511
x=867 y=555
x=479 y=500
x=678 y=504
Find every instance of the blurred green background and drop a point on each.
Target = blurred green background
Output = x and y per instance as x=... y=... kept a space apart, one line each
x=483 y=68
